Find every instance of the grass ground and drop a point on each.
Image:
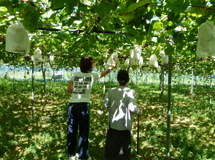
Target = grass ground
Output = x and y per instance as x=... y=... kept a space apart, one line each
x=44 y=136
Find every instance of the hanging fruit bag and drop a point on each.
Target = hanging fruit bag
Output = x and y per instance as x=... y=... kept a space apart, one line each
x=17 y=39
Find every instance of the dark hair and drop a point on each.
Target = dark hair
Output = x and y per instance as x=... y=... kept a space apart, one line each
x=122 y=77
x=86 y=64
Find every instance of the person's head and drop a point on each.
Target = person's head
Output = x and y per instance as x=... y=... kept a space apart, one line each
x=86 y=64
x=123 y=77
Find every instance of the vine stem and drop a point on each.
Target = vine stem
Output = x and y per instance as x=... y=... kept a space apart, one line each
x=207 y=8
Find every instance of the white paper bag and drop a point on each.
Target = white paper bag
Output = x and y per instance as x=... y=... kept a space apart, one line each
x=38 y=56
x=141 y=62
x=159 y=69
x=110 y=61
x=165 y=59
x=51 y=58
x=206 y=41
x=153 y=61
x=135 y=54
x=17 y=39
x=127 y=63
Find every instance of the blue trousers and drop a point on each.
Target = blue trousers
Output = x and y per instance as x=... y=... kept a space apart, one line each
x=78 y=114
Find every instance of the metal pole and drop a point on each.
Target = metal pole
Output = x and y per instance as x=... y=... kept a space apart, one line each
x=162 y=89
x=6 y=71
x=104 y=88
x=32 y=91
x=192 y=83
x=25 y=72
x=99 y=78
x=44 y=78
x=104 y=95
x=203 y=81
x=138 y=124
x=13 y=75
x=109 y=80
x=196 y=81
x=150 y=78
x=136 y=81
x=169 y=106
x=183 y=83
x=210 y=90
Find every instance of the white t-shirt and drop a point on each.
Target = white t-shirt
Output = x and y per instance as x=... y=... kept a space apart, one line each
x=82 y=85
x=121 y=103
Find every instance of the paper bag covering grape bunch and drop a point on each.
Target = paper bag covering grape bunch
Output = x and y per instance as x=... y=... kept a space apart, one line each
x=17 y=40
x=206 y=41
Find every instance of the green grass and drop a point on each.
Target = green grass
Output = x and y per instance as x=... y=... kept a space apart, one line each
x=44 y=136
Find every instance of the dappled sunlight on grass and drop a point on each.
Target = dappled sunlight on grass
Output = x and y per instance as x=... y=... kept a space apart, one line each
x=44 y=136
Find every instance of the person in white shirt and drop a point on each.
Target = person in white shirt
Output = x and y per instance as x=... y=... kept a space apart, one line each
x=121 y=103
x=80 y=86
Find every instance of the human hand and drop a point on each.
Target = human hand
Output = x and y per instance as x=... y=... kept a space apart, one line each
x=116 y=61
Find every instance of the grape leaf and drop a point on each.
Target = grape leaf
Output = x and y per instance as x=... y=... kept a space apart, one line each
x=2 y=28
x=178 y=6
x=70 y=5
x=110 y=5
x=30 y=18
x=102 y=9
x=169 y=50
x=178 y=37
x=58 y=4
x=5 y=3
x=137 y=5
x=127 y=16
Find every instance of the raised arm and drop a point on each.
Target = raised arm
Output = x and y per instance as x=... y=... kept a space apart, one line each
x=103 y=73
